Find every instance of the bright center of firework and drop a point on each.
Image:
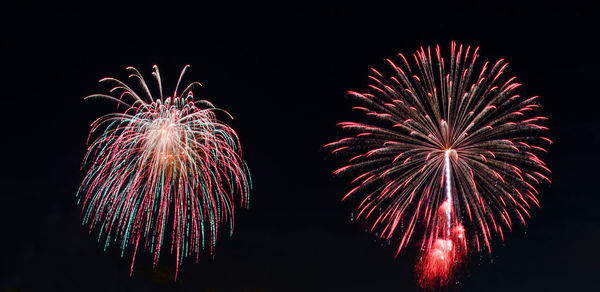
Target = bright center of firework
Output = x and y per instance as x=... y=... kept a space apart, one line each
x=164 y=137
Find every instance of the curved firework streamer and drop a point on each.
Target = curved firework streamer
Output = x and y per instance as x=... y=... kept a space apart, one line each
x=448 y=143
x=163 y=164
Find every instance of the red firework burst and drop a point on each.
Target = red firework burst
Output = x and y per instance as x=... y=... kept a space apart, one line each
x=449 y=155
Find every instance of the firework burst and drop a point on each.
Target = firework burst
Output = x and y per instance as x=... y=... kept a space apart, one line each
x=164 y=164
x=449 y=156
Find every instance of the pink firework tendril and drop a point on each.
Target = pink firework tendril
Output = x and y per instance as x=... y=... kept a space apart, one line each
x=163 y=164
x=449 y=156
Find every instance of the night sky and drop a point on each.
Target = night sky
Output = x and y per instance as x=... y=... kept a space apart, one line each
x=283 y=73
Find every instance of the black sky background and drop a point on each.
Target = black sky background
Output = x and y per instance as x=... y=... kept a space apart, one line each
x=282 y=71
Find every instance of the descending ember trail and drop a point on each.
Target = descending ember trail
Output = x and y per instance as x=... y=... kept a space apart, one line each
x=449 y=156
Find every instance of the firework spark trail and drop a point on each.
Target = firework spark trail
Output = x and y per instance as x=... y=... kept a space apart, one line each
x=448 y=188
x=163 y=163
x=449 y=247
x=449 y=144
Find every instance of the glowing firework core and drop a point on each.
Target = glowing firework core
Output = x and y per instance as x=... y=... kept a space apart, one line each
x=164 y=139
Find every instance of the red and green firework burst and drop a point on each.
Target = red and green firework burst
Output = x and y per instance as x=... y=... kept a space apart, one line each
x=448 y=155
x=163 y=164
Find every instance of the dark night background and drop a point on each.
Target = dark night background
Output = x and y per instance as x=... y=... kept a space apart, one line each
x=282 y=71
